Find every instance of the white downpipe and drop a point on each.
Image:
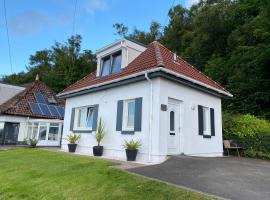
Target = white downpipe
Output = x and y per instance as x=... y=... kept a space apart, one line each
x=151 y=118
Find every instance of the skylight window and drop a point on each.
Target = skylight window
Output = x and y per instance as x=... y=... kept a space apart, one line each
x=111 y=64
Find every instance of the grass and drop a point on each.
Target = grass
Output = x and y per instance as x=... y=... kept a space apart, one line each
x=40 y=174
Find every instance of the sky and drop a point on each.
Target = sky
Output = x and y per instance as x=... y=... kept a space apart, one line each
x=36 y=24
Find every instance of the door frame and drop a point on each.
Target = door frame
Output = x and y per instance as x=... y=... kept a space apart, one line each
x=178 y=103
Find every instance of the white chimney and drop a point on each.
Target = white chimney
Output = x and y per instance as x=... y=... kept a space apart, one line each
x=174 y=56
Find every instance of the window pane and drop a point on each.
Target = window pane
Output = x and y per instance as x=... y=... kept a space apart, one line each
x=204 y=119
x=116 y=65
x=53 y=133
x=172 y=121
x=42 y=132
x=82 y=115
x=35 y=131
x=131 y=114
x=90 y=118
x=30 y=130
x=106 y=67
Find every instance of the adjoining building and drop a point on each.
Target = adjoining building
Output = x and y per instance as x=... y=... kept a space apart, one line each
x=30 y=110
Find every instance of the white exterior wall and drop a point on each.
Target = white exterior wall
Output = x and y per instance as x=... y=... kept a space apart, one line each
x=23 y=128
x=8 y=91
x=191 y=143
x=113 y=139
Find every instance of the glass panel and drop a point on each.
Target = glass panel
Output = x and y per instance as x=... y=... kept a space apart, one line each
x=90 y=118
x=116 y=65
x=106 y=67
x=131 y=113
x=53 y=132
x=204 y=119
x=29 y=130
x=35 y=130
x=42 y=132
x=172 y=121
x=82 y=116
x=11 y=133
x=2 y=126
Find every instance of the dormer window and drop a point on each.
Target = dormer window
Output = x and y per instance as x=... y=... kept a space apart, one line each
x=111 y=64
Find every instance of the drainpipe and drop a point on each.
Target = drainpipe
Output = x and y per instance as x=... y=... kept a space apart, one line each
x=151 y=118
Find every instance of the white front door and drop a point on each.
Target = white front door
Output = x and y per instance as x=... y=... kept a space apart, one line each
x=173 y=142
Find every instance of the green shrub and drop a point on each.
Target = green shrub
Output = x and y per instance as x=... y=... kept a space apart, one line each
x=243 y=125
x=251 y=132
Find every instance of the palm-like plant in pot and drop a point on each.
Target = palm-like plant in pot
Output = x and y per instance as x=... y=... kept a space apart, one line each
x=98 y=150
x=132 y=148
x=72 y=139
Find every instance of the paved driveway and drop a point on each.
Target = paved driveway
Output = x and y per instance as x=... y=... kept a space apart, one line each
x=229 y=177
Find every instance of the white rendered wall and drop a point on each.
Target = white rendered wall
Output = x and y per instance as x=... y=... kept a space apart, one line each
x=191 y=143
x=113 y=139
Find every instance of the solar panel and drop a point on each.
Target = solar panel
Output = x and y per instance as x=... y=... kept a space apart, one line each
x=53 y=110
x=39 y=98
x=44 y=109
x=60 y=110
x=35 y=108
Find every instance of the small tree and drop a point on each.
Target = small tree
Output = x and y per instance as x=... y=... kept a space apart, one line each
x=100 y=131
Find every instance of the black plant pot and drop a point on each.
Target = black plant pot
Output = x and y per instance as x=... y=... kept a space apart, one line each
x=131 y=154
x=72 y=148
x=97 y=150
x=33 y=145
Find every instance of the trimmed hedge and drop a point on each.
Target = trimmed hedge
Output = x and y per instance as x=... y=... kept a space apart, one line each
x=251 y=132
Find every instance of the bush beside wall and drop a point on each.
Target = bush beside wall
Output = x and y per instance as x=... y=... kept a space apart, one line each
x=251 y=132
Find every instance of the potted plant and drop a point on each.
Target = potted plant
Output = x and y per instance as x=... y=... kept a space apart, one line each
x=132 y=149
x=98 y=150
x=32 y=142
x=72 y=139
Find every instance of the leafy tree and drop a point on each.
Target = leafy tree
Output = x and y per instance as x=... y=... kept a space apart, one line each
x=59 y=66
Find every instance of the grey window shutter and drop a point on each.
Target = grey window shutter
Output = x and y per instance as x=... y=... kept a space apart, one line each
x=119 y=116
x=138 y=114
x=200 y=119
x=72 y=119
x=212 y=116
x=95 y=117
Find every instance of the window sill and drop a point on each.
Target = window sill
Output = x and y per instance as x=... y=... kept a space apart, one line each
x=82 y=131
x=128 y=132
x=206 y=136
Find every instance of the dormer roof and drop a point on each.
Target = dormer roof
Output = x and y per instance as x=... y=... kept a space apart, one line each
x=156 y=58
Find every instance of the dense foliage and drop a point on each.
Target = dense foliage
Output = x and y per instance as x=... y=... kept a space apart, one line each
x=59 y=66
x=229 y=40
x=251 y=132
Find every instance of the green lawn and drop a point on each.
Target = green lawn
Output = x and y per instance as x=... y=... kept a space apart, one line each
x=40 y=174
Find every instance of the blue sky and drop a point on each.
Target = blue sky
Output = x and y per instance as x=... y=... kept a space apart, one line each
x=37 y=24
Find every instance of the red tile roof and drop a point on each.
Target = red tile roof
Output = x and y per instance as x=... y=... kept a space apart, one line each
x=156 y=55
x=19 y=104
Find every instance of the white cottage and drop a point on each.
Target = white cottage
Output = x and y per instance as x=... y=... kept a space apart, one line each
x=30 y=111
x=145 y=93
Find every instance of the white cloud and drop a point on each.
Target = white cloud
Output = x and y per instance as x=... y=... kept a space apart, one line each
x=189 y=3
x=93 y=6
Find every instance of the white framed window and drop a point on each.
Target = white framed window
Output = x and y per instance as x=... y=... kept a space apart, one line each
x=206 y=121
x=53 y=133
x=129 y=114
x=111 y=64
x=84 y=118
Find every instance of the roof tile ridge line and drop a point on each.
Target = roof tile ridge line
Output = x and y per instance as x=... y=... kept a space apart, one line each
x=158 y=55
x=19 y=99
x=77 y=81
